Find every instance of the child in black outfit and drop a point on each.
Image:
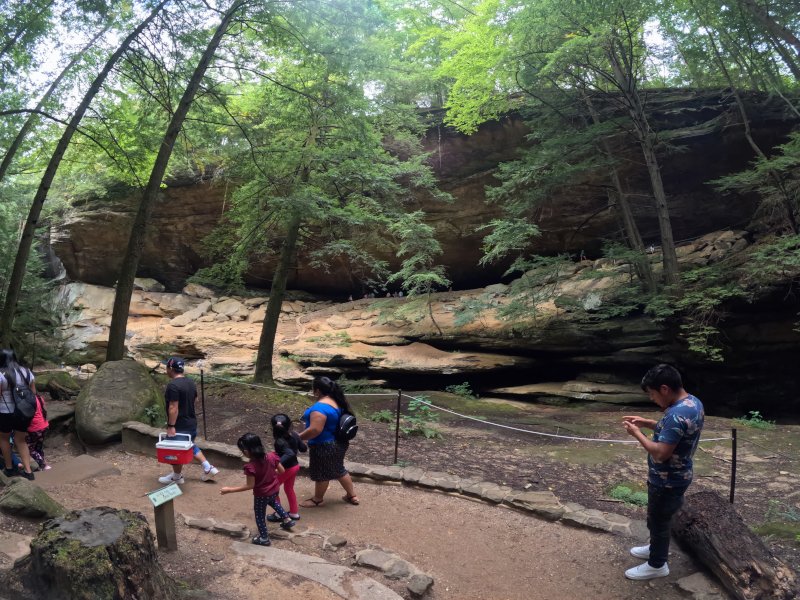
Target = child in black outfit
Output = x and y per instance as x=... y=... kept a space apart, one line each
x=287 y=445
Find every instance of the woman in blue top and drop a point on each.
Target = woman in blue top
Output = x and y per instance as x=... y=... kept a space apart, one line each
x=326 y=455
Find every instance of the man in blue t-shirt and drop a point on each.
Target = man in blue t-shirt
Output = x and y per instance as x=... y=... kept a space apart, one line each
x=669 y=461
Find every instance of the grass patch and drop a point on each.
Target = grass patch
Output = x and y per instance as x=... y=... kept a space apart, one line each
x=784 y=531
x=341 y=339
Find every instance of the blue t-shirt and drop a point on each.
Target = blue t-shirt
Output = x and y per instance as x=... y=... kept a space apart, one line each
x=331 y=422
x=681 y=424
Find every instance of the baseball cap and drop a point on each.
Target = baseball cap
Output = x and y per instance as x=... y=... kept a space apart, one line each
x=175 y=363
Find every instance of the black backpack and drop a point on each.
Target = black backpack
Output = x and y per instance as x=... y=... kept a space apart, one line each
x=23 y=397
x=347 y=428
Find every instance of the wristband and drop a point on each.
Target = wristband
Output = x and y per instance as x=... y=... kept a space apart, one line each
x=168 y=425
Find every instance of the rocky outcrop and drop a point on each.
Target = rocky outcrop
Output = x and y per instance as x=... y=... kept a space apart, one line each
x=703 y=126
x=559 y=355
x=120 y=391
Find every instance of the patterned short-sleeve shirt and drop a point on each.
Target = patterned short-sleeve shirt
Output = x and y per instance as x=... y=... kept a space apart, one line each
x=681 y=424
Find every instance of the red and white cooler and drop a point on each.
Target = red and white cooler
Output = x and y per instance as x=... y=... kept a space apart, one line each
x=178 y=450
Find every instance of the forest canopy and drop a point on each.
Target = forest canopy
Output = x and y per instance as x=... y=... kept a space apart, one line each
x=313 y=113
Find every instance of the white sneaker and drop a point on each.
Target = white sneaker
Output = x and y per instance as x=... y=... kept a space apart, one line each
x=645 y=571
x=641 y=552
x=172 y=478
x=210 y=474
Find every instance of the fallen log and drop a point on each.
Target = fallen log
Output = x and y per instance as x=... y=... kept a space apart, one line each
x=714 y=532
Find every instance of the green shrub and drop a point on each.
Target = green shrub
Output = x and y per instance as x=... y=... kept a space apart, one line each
x=152 y=414
x=357 y=386
x=382 y=416
x=626 y=494
x=755 y=420
x=420 y=419
x=462 y=389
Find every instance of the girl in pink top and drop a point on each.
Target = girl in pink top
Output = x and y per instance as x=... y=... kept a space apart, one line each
x=262 y=477
x=36 y=432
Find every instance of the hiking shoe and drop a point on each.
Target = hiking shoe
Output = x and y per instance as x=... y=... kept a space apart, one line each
x=28 y=476
x=261 y=541
x=641 y=552
x=210 y=474
x=287 y=525
x=172 y=478
x=274 y=518
x=10 y=472
x=645 y=571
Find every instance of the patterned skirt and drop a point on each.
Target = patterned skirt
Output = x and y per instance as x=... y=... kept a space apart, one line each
x=326 y=461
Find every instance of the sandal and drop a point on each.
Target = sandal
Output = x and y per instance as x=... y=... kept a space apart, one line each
x=312 y=503
x=351 y=499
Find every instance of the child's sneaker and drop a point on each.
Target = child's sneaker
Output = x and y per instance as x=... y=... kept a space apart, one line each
x=287 y=525
x=210 y=474
x=294 y=516
x=46 y=468
x=261 y=541
x=274 y=518
x=172 y=478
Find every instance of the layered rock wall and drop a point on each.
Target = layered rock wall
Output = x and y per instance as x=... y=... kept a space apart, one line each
x=702 y=140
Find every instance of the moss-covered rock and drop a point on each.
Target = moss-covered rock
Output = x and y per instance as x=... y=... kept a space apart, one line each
x=120 y=391
x=95 y=554
x=59 y=384
x=23 y=498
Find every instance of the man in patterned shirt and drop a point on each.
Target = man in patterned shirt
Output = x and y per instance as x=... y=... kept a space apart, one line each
x=669 y=461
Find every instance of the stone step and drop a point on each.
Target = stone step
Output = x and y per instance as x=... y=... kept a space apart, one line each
x=74 y=470
x=341 y=580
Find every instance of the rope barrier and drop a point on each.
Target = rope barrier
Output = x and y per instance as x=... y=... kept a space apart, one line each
x=256 y=385
x=552 y=435
x=463 y=416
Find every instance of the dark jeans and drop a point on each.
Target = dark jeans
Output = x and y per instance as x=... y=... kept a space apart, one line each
x=662 y=504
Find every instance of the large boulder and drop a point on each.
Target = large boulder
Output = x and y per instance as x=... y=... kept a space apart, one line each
x=91 y=554
x=120 y=391
x=23 y=498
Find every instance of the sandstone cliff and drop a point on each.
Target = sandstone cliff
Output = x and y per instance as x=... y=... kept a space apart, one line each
x=553 y=357
x=703 y=140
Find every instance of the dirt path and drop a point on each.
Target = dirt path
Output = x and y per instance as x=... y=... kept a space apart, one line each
x=767 y=494
x=473 y=550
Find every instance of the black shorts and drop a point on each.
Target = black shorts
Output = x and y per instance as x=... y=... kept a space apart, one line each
x=10 y=422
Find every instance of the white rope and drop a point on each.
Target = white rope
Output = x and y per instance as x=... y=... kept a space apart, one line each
x=447 y=410
x=255 y=385
x=553 y=435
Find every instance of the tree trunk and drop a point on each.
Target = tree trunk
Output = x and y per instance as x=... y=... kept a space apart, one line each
x=130 y=263
x=94 y=553
x=776 y=177
x=788 y=59
x=624 y=78
x=710 y=527
x=266 y=344
x=26 y=127
x=26 y=240
x=623 y=208
x=775 y=28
